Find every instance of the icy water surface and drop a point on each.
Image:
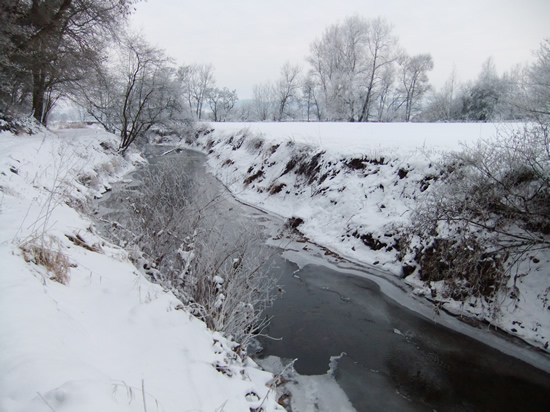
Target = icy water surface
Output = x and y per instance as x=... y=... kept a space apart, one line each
x=395 y=359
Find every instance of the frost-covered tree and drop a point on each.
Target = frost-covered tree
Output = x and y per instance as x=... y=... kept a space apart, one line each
x=263 y=101
x=414 y=81
x=286 y=90
x=386 y=87
x=335 y=65
x=348 y=63
x=444 y=104
x=510 y=107
x=47 y=46
x=244 y=112
x=381 y=52
x=538 y=83
x=482 y=98
x=221 y=103
x=197 y=82
x=310 y=100
x=489 y=98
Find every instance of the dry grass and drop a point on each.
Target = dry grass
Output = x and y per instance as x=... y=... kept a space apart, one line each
x=88 y=179
x=48 y=253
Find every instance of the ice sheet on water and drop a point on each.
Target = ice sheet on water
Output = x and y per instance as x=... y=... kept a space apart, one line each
x=310 y=393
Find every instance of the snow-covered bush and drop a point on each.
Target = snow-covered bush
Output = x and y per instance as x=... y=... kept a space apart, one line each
x=216 y=268
x=18 y=124
x=488 y=211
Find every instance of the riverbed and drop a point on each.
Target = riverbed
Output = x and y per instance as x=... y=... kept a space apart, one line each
x=395 y=352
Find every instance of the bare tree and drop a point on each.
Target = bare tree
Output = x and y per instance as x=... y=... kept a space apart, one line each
x=245 y=111
x=221 y=103
x=286 y=89
x=380 y=52
x=385 y=88
x=349 y=62
x=414 y=80
x=134 y=93
x=51 y=44
x=336 y=64
x=310 y=99
x=444 y=104
x=538 y=84
x=450 y=91
x=198 y=82
x=263 y=103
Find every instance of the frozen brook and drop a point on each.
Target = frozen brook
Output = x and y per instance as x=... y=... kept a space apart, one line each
x=348 y=337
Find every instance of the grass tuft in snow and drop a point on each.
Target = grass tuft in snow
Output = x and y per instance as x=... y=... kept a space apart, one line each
x=47 y=252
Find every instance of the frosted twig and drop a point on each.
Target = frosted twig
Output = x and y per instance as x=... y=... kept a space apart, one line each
x=143 y=394
x=45 y=401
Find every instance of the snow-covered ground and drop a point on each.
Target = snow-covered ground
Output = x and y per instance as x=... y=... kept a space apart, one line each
x=108 y=340
x=92 y=334
x=353 y=186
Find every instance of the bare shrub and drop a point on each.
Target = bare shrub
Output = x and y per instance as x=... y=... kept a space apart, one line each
x=293 y=222
x=108 y=146
x=110 y=167
x=276 y=187
x=47 y=252
x=217 y=268
x=255 y=176
x=466 y=268
x=489 y=209
x=227 y=282
x=88 y=179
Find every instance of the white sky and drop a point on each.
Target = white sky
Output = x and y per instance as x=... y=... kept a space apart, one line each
x=248 y=41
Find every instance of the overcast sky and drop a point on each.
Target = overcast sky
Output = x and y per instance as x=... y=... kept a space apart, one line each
x=248 y=41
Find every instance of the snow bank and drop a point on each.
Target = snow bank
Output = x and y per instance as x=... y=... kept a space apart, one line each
x=107 y=339
x=350 y=187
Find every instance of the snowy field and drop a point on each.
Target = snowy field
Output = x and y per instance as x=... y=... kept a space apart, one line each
x=360 y=138
x=352 y=187
x=92 y=334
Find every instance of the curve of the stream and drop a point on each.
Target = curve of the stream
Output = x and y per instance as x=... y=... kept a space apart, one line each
x=396 y=354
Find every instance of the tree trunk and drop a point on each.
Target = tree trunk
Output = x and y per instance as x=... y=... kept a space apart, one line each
x=365 y=110
x=38 y=92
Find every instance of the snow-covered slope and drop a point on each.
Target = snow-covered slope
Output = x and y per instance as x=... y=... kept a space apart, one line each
x=348 y=182
x=351 y=187
x=91 y=333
